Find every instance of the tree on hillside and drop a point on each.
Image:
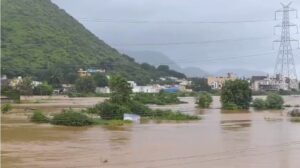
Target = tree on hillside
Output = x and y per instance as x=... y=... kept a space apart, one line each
x=236 y=94
x=100 y=80
x=25 y=86
x=55 y=76
x=85 y=85
x=120 y=90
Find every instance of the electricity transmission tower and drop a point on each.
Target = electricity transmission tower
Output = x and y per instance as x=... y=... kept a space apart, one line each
x=285 y=70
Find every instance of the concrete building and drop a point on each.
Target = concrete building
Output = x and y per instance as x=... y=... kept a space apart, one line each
x=267 y=83
x=89 y=72
x=144 y=89
x=218 y=82
x=102 y=90
x=263 y=83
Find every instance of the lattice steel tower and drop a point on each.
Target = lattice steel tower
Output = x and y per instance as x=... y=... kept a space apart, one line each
x=285 y=70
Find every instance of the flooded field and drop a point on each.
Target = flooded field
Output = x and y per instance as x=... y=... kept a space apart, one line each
x=248 y=139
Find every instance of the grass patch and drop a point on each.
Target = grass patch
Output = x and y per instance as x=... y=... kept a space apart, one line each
x=71 y=118
x=170 y=115
x=39 y=117
x=111 y=122
x=6 y=108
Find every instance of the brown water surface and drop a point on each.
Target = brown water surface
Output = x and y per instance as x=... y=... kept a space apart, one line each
x=223 y=139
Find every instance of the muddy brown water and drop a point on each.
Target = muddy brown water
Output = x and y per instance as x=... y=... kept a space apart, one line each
x=248 y=139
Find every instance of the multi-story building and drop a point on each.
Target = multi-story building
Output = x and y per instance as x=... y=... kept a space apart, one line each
x=218 y=82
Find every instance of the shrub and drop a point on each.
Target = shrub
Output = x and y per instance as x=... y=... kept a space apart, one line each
x=259 y=104
x=138 y=108
x=110 y=111
x=160 y=99
x=204 y=100
x=39 y=117
x=274 y=101
x=6 y=108
x=11 y=93
x=170 y=115
x=236 y=93
x=71 y=118
x=230 y=106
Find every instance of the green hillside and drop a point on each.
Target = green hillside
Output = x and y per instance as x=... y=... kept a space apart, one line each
x=41 y=40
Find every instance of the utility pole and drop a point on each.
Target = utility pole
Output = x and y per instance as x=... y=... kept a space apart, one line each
x=285 y=71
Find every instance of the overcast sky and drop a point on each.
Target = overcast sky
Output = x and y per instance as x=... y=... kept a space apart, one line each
x=176 y=28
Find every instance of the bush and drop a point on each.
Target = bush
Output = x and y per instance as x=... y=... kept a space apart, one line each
x=71 y=118
x=259 y=104
x=230 y=106
x=39 y=117
x=6 y=108
x=274 y=101
x=139 y=108
x=236 y=93
x=204 y=100
x=110 y=111
x=11 y=93
x=170 y=115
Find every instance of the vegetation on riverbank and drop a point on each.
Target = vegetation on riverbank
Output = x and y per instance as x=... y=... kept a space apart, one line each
x=236 y=95
x=295 y=119
x=39 y=117
x=6 y=108
x=111 y=111
x=121 y=102
x=204 y=100
x=161 y=98
x=273 y=101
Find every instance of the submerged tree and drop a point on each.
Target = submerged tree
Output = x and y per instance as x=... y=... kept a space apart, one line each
x=204 y=100
x=236 y=95
x=120 y=90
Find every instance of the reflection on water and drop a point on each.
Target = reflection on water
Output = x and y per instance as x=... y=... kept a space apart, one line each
x=240 y=139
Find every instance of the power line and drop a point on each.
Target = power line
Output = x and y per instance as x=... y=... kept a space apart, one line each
x=134 y=21
x=157 y=43
x=188 y=42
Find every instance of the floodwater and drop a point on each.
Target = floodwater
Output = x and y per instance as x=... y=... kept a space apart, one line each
x=248 y=139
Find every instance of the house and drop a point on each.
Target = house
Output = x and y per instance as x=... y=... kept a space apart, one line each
x=89 y=72
x=102 y=90
x=83 y=73
x=218 y=82
x=171 y=90
x=144 y=89
x=14 y=82
x=67 y=88
x=93 y=70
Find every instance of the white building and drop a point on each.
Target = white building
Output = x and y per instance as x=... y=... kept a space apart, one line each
x=102 y=90
x=144 y=89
